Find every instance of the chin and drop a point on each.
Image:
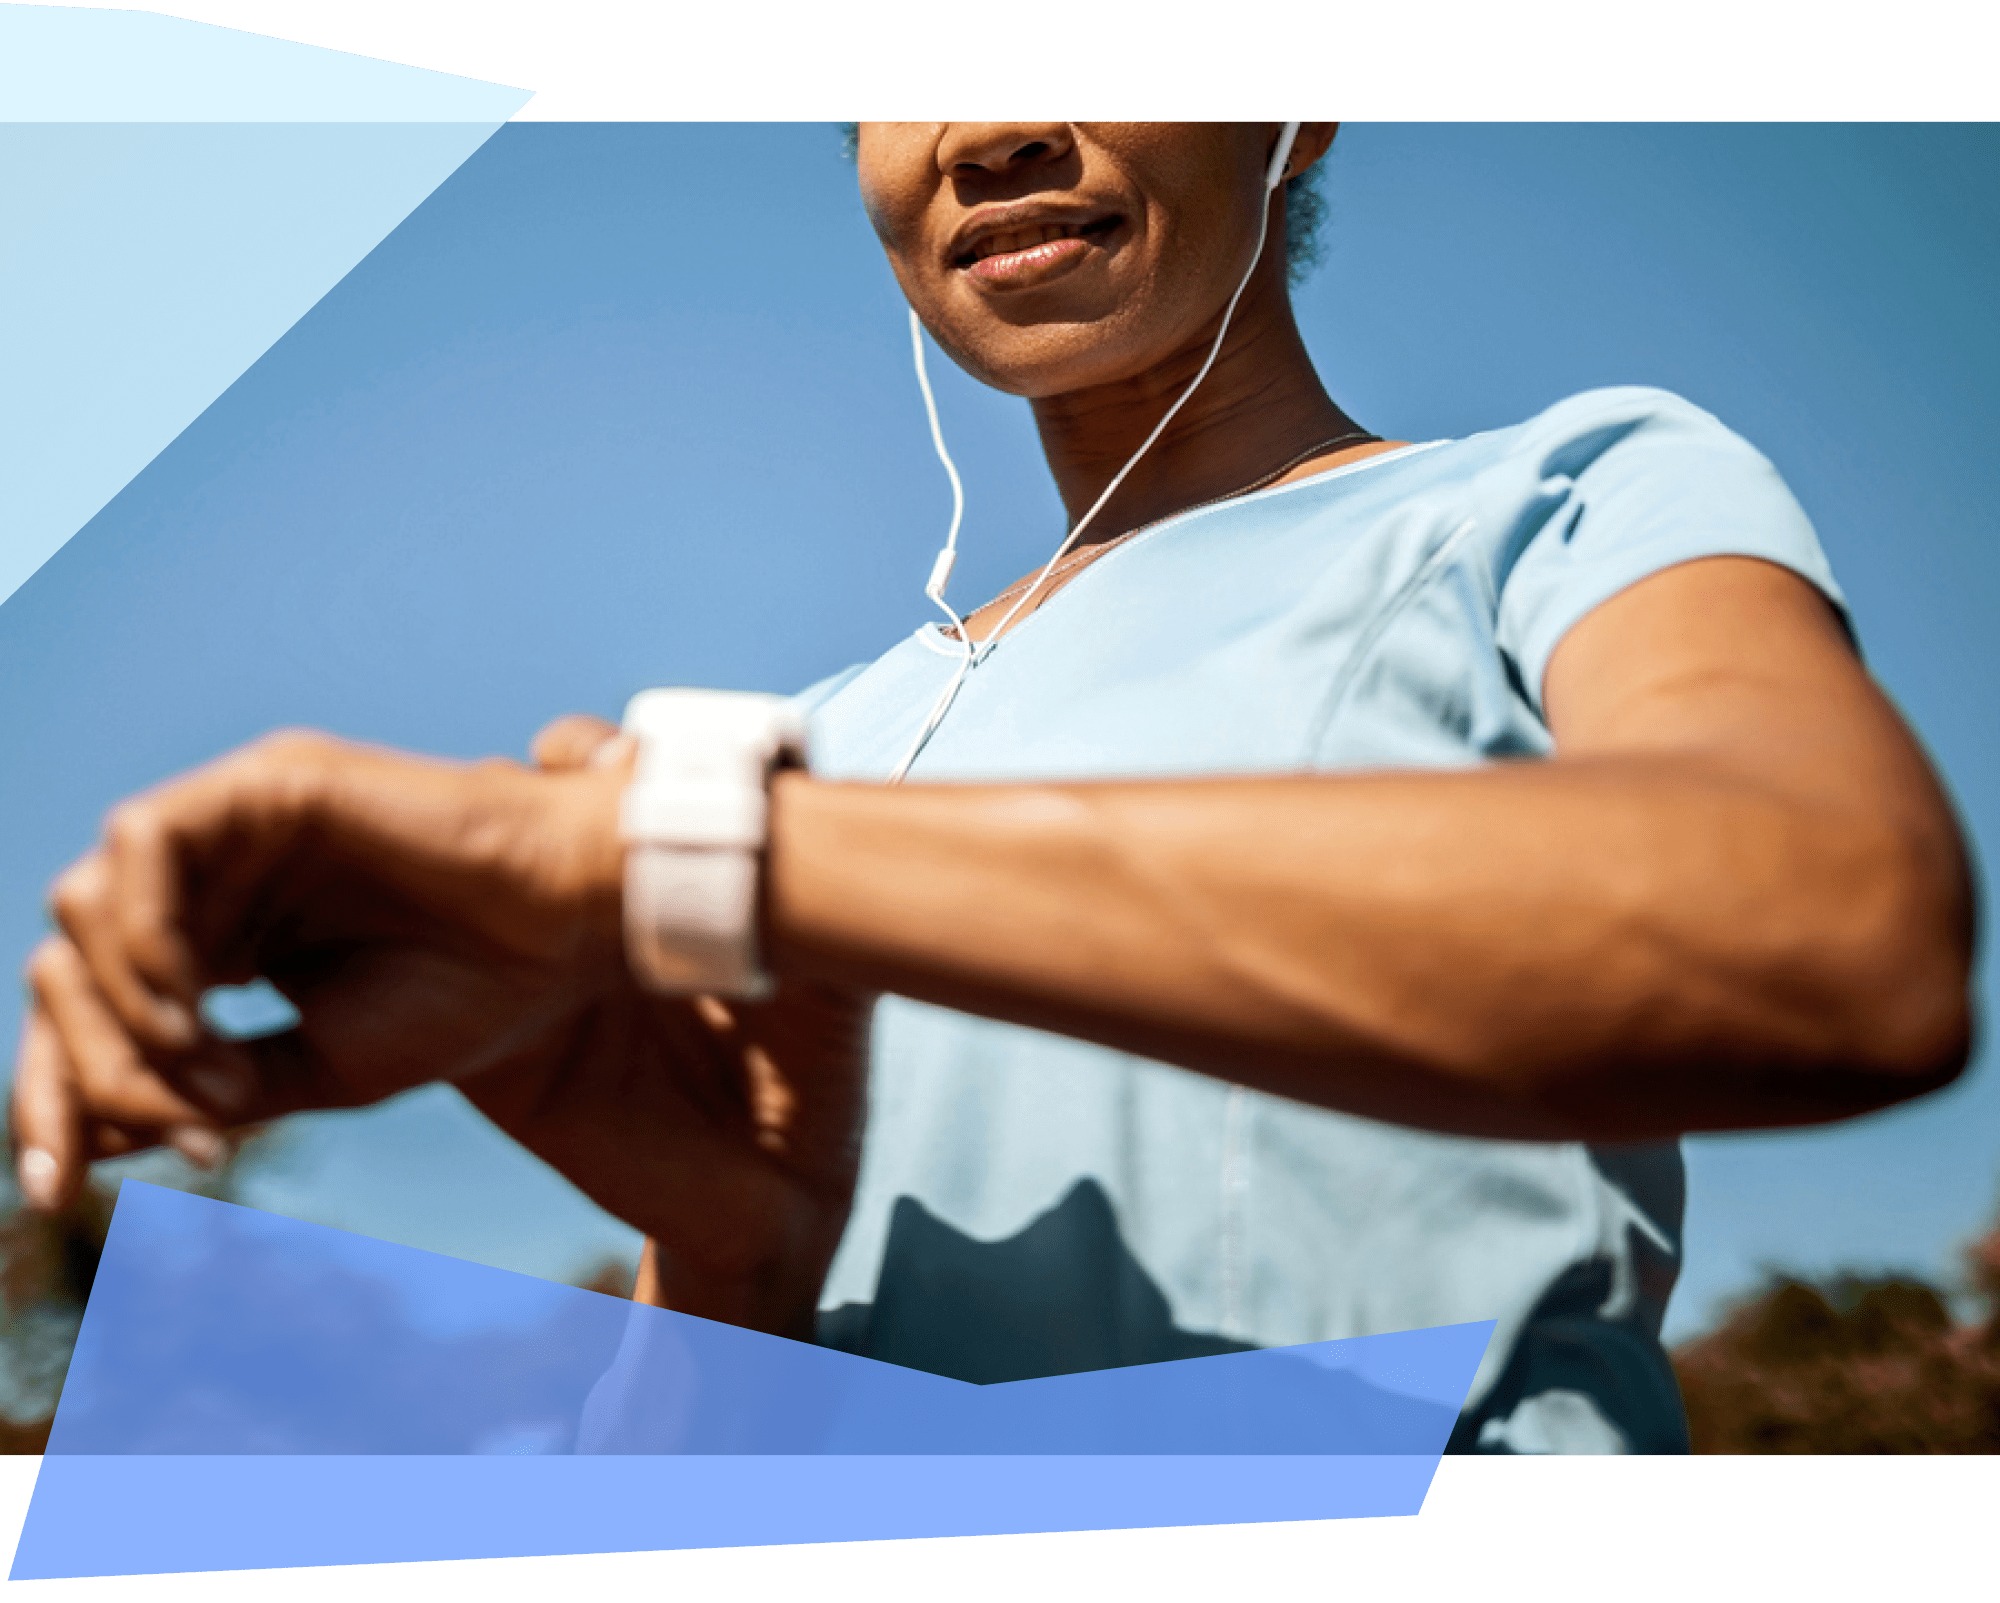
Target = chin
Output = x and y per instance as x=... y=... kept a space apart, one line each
x=1037 y=363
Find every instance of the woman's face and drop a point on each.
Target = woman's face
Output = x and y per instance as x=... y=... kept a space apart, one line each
x=1053 y=257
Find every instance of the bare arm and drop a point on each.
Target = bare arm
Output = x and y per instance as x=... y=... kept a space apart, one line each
x=1735 y=898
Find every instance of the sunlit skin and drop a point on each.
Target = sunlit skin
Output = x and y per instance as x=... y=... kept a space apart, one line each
x=1166 y=219
x=1734 y=897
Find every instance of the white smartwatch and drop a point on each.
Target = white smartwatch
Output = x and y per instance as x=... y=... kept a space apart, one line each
x=695 y=820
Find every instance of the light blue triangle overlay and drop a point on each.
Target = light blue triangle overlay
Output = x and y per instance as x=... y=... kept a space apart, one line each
x=277 y=1393
x=175 y=197
x=68 y=64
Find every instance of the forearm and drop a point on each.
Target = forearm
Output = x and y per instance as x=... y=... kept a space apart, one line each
x=1619 y=948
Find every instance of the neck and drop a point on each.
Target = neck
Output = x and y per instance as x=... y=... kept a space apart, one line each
x=1261 y=405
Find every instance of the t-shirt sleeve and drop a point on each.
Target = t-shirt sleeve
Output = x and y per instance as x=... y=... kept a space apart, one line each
x=1633 y=481
x=819 y=693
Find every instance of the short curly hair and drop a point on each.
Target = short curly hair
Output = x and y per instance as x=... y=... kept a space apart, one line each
x=1305 y=211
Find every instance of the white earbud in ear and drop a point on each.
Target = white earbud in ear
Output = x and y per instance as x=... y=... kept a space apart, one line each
x=1281 y=157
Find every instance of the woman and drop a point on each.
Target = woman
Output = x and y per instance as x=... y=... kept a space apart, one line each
x=1358 y=861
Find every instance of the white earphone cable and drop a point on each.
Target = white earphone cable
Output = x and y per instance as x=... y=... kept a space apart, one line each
x=941 y=571
x=946 y=560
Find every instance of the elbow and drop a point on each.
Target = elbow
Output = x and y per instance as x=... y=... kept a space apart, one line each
x=1898 y=1020
x=1920 y=1042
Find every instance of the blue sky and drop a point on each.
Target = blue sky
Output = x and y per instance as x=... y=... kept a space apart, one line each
x=624 y=404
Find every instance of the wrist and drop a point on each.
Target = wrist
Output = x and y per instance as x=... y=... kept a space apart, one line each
x=588 y=803
x=846 y=893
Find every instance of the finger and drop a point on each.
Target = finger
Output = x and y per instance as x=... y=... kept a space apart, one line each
x=47 y=1119
x=110 y=1073
x=145 y=874
x=201 y=1146
x=130 y=1103
x=571 y=741
x=287 y=1073
x=204 y=1148
x=102 y=1140
x=125 y=906
x=85 y=902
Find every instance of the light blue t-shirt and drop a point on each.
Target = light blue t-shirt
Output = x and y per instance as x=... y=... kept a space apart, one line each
x=1033 y=1205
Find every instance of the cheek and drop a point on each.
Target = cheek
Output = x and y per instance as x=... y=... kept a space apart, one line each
x=880 y=210
x=894 y=197
x=898 y=224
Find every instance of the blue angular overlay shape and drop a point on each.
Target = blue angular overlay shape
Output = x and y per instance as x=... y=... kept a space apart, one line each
x=252 y=1392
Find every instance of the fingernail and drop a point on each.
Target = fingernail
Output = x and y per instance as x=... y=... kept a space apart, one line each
x=225 y=1087
x=201 y=1147
x=38 y=1172
x=177 y=1023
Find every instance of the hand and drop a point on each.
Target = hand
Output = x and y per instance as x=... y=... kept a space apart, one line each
x=433 y=921
x=797 y=1064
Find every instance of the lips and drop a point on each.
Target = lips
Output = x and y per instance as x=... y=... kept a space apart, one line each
x=1023 y=243
x=1030 y=236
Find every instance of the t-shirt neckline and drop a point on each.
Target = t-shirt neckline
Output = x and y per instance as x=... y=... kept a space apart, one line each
x=931 y=633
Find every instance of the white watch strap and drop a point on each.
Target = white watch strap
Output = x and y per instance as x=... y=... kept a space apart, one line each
x=691 y=920
x=694 y=822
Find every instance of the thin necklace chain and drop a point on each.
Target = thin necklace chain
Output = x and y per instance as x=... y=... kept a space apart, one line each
x=1092 y=553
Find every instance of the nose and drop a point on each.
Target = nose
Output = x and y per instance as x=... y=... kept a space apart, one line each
x=968 y=149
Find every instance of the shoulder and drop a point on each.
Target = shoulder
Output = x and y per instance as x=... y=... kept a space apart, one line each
x=1629 y=465
x=1632 y=444
x=819 y=693
x=1620 y=423
x=1608 y=487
